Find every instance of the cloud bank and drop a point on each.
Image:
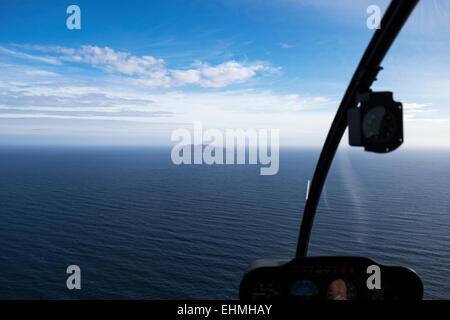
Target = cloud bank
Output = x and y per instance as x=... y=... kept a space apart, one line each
x=148 y=70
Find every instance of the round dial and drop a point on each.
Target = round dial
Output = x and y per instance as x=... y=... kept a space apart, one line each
x=304 y=289
x=379 y=125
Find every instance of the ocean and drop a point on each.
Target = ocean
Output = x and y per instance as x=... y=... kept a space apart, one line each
x=140 y=227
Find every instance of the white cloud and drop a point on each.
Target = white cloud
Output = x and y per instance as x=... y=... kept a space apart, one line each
x=186 y=76
x=221 y=75
x=148 y=70
x=285 y=45
x=42 y=73
x=75 y=117
x=409 y=106
x=413 y=109
x=113 y=61
x=61 y=97
x=27 y=89
x=21 y=55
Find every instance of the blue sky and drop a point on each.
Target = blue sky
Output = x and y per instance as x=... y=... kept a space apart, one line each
x=137 y=70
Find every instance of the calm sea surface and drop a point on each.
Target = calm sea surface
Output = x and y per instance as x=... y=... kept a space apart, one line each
x=142 y=228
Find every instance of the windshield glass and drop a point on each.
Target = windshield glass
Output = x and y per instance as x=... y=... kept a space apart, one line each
x=395 y=205
x=161 y=146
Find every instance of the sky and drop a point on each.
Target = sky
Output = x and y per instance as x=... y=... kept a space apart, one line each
x=138 y=70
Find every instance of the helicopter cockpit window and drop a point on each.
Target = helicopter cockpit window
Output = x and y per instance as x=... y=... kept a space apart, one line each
x=154 y=149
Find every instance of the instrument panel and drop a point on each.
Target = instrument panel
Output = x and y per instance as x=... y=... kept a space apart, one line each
x=329 y=278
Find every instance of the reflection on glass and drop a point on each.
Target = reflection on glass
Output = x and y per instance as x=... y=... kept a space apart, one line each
x=337 y=290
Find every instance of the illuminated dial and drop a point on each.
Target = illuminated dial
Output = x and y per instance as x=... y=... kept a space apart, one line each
x=304 y=289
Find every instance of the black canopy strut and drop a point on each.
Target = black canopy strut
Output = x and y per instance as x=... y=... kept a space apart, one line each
x=391 y=24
